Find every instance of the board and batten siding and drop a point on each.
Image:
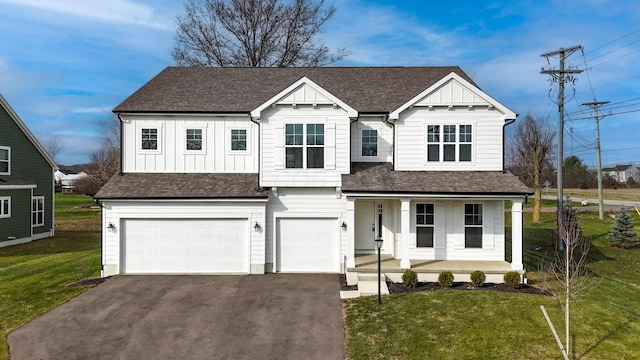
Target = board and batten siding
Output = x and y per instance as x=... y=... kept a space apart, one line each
x=411 y=139
x=303 y=203
x=449 y=232
x=114 y=212
x=385 y=139
x=273 y=172
x=172 y=156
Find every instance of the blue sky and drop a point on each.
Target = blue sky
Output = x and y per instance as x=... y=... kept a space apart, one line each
x=65 y=64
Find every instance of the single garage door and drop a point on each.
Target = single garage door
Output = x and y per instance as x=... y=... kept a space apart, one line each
x=182 y=246
x=308 y=245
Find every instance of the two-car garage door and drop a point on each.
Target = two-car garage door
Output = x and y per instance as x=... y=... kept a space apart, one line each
x=182 y=246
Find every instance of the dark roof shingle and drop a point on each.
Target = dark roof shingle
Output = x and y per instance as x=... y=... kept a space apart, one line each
x=240 y=90
x=185 y=186
x=380 y=177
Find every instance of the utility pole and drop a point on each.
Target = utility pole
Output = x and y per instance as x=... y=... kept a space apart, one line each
x=595 y=105
x=561 y=76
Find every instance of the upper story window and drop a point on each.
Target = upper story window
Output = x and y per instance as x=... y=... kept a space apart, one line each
x=304 y=146
x=37 y=211
x=238 y=139
x=193 y=139
x=149 y=139
x=369 y=142
x=473 y=225
x=424 y=225
x=5 y=160
x=5 y=206
x=449 y=143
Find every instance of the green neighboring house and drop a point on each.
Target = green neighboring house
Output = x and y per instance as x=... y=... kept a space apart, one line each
x=26 y=182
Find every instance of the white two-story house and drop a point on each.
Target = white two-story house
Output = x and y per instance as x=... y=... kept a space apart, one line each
x=260 y=170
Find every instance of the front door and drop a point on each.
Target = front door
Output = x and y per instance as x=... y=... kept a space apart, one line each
x=369 y=221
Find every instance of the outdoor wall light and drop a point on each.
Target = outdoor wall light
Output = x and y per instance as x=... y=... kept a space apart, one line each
x=344 y=226
x=257 y=227
x=111 y=227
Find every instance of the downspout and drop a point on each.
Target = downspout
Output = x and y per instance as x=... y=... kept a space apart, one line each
x=258 y=152
x=504 y=141
x=121 y=142
x=385 y=119
x=97 y=201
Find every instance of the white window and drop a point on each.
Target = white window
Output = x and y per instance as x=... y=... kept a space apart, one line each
x=37 y=211
x=424 y=225
x=193 y=139
x=369 y=142
x=304 y=146
x=473 y=225
x=149 y=139
x=5 y=207
x=238 y=139
x=5 y=160
x=449 y=143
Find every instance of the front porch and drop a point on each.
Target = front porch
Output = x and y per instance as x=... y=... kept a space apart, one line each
x=427 y=270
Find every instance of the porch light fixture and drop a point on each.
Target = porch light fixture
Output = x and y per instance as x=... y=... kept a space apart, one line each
x=378 y=242
x=344 y=226
x=257 y=227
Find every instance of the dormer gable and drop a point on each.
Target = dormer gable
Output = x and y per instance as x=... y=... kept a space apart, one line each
x=453 y=92
x=304 y=92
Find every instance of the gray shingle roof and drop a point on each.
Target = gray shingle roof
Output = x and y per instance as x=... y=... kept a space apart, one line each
x=380 y=177
x=181 y=186
x=207 y=89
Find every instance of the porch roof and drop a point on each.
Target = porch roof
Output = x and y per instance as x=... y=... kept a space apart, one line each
x=181 y=186
x=381 y=178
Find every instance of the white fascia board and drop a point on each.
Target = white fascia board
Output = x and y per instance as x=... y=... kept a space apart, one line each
x=186 y=114
x=397 y=196
x=27 y=132
x=17 y=187
x=244 y=200
x=507 y=114
x=352 y=113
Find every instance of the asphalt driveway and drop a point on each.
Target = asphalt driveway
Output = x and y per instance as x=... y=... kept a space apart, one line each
x=273 y=316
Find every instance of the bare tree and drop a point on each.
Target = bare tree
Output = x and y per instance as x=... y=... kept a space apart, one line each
x=566 y=275
x=105 y=161
x=53 y=145
x=253 y=33
x=530 y=156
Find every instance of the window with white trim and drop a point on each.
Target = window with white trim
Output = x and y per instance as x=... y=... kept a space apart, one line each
x=5 y=207
x=473 y=226
x=5 y=160
x=37 y=211
x=238 y=139
x=149 y=139
x=304 y=146
x=425 y=225
x=193 y=139
x=449 y=143
x=369 y=142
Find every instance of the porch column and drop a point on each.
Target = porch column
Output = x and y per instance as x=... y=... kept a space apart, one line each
x=351 y=230
x=405 y=212
x=516 y=235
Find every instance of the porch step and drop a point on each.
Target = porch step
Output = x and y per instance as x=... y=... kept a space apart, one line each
x=368 y=284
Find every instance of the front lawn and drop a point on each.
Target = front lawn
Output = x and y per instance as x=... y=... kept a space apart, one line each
x=489 y=325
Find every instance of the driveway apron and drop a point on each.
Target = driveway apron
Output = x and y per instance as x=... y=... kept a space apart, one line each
x=273 y=316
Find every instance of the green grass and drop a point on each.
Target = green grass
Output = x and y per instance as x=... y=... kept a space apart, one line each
x=35 y=277
x=488 y=325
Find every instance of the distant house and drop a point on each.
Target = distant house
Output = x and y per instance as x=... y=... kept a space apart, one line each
x=622 y=173
x=68 y=182
x=26 y=182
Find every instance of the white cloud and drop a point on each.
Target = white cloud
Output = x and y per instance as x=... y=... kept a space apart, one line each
x=92 y=110
x=120 y=11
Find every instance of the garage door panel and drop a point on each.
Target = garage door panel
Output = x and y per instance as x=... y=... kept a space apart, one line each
x=185 y=246
x=308 y=245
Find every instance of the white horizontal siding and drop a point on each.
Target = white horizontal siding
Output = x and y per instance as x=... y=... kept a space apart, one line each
x=385 y=139
x=487 y=139
x=172 y=155
x=115 y=211
x=271 y=175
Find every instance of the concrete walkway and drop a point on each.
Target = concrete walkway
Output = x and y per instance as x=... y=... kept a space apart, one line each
x=275 y=316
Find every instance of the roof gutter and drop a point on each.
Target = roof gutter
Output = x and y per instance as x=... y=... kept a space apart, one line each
x=255 y=121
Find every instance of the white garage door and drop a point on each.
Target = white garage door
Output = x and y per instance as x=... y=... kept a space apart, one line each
x=308 y=245
x=182 y=246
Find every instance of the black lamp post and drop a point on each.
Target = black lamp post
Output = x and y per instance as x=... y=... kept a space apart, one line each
x=379 y=241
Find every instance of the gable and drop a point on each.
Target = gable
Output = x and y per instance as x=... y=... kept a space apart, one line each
x=454 y=91
x=304 y=91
